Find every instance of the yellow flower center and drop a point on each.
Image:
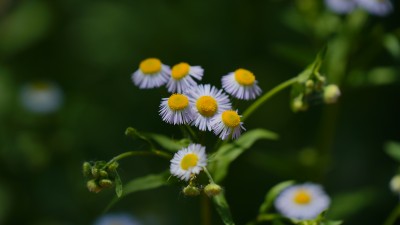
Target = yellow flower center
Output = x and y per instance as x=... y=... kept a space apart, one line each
x=178 y=102
x=231 y=118
x=189 y=160
x=41 y=86
x=150 y=66
x=207 y=106
x=244 y=77
x=302 y=197
x=180 y=71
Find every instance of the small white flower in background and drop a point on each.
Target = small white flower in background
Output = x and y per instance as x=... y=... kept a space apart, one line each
x=207 y=101
x=176 y=109
x=151 y=74
x=182 y=75
x=41 y=97
x=188 y=161
x=395 y=184
x=341 y=6
x=331 y=93
x=116 y=219
x=241 y=84
x=302 y=201
x=227 y=123
x=376 y=7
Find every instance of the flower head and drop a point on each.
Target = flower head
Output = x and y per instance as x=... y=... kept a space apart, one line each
x=176 y=109
x=207 y=101
x=227 y=123
x=114 y=219
x=376 y=7
x=151 y=74
x=303 y=201
x=188 y=161
x=41 y=97
x=341 y=6
x=182 y=75
x=241 y=84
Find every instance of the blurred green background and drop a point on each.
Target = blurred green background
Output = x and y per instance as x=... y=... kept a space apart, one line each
x=91 y=48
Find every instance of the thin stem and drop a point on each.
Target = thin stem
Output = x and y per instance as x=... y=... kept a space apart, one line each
x=267 y=96
x=192 y=133
x=208 y=175
x=393 y=216
x=139 y=153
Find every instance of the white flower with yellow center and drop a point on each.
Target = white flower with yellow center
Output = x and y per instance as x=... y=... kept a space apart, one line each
x=41 y=97
x=207 y=101
x=241 y=84
x=302 y=202
x=176 y=109
x=227 y=123
x=182 y=75
x=376 y=7
x=151 y=74
x=188 y=161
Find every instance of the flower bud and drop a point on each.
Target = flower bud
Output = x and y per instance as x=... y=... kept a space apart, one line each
x=92 y=186
x=105 y=183
x=113 y=166
x=86 y=169
x=395 y=184
x=103 y=173
x=331 y=93
x=95 y=172
x=212 y=190
x=191 y=191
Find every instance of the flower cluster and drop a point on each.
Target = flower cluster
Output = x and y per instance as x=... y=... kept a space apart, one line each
x=375 y=7
x=101 y=175
x=201 y=105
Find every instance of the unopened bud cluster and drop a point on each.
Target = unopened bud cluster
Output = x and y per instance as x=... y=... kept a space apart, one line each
x=210 y=190
x=100 y=175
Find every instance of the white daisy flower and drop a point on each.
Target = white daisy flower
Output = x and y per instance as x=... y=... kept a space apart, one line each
x=182 y=75
x=241 y=84
x=303 y=201
x=227 y=123
x=188 y=161
x=176 y=109
x=116 y=219
x=341 y=6
x=151 y=74
x=207 y=101
x=41 y=97
x=376 y=7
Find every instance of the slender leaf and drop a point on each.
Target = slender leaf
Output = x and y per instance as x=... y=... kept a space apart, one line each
x=223 y=209
x=118 y=185
x=168 y=143
x=271 y=195
x=332 y=222
x=229 y=152
x=393 y=150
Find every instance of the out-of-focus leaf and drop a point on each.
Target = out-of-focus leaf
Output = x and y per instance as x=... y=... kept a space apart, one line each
x=392 y=44
x=348 y=203
x=331 y=222
x=271 y=195
x=168 y=143
x=229 y=152
x=223 y=209
x=393 y=150
x=118 y=185
x=141 y=184
x=5 y=202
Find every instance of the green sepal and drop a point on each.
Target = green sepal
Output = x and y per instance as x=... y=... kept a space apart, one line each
x=272 y=194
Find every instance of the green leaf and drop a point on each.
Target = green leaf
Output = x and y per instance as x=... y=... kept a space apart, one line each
x=118 y=185
x=141 y=184
x=332 y=222
x=271 y=195
x=222 y=208
x=227 y=153
x=168 y=143
x=393 y=150
x=314 y=67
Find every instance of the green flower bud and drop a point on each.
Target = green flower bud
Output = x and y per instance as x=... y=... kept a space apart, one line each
x=103 y=173
x=86 y=169
x=95 y=172
x=113 y=166
x=395 y=184
x=105 y=183
x=92 y=186
x=310 y=84
x=331 y=93
x=212 y=190
x=191 y=191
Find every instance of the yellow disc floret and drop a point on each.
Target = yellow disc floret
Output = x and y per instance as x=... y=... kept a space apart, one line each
x=189 y=160
x=244 y=77
x=178 y=102
x=150 y=66
x=302 y=197
x=231 y=118
x=207 y=106
x=180 y=70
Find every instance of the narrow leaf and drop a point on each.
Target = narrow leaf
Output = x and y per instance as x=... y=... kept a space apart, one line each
x=271 y=195
x=168 y=143
x=118 y=185
x=223 y=210
x=332 y=222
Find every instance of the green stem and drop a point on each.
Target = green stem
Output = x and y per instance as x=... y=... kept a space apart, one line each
x=208 y=175
x=139 y=153
x=192 y=133
x=267 y=96
x=393 y=216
